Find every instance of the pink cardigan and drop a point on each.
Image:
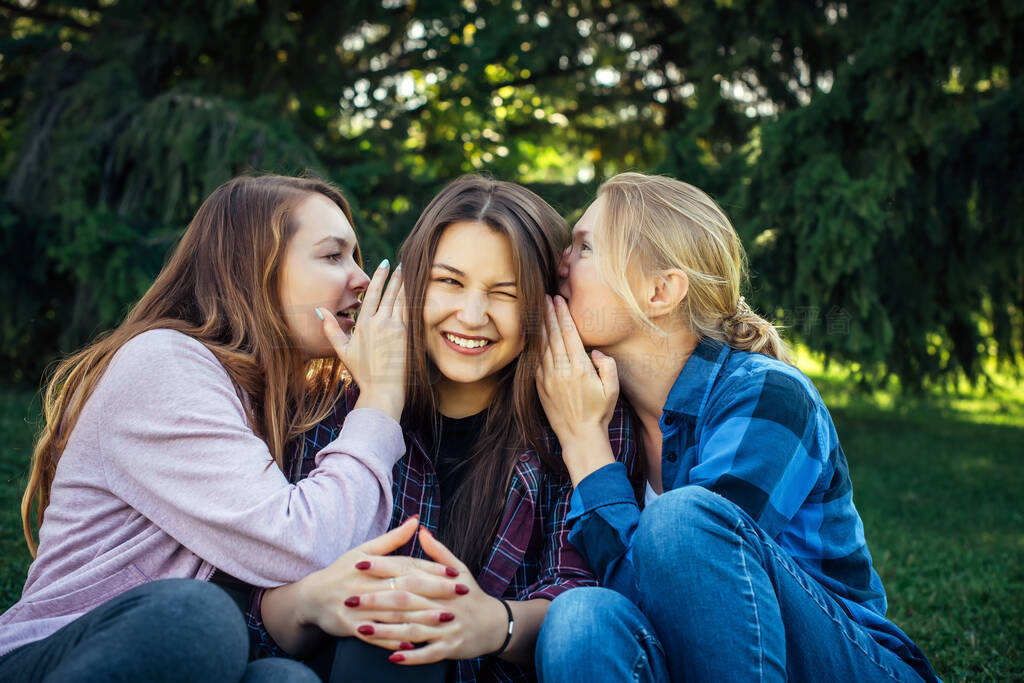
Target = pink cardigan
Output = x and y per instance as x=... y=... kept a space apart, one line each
x=163 y=477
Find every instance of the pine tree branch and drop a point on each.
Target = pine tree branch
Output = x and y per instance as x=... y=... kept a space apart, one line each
x=41 y=14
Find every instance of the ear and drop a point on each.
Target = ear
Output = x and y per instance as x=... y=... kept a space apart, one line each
x=666 y=291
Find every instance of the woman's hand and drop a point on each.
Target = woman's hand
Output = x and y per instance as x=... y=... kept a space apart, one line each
x=345 y=598
x=578 y=399
x=375 y=353
x=474 y=624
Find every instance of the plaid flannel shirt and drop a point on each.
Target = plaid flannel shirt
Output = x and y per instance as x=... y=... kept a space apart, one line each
x=531 y=556
x=755 y=430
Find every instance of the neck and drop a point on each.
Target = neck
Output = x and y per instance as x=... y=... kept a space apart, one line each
x=648 y=365
x=459 y=400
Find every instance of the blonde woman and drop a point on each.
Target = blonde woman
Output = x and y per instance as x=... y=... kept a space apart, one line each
x=748 y=560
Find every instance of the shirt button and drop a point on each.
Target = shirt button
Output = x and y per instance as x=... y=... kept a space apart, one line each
x=671 y=457
x=525 y=457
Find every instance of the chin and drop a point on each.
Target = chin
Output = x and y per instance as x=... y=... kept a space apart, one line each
x=459 y=375
x=461 y=378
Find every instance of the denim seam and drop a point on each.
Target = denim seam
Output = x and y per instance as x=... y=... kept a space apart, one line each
x=784 y=563
x=643 y=637
x=750 y=583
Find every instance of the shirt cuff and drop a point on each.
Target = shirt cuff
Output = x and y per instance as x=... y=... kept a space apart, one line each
x=608 y=485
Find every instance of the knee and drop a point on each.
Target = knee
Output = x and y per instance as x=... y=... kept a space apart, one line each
x=579 y=617
x=199 y=615
x=675 y=512
x=589 y=633
x=194 y=600
x=679 y=523
x=277 y=669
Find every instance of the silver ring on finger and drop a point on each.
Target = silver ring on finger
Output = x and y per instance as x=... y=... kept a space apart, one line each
x=391 y=582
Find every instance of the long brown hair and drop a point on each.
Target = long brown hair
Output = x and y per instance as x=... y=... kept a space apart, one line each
x=515 y=420
x=221 y=287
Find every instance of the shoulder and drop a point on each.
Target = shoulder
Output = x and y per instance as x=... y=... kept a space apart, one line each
x=162 y=348
x=765 y=388
x=160 y=363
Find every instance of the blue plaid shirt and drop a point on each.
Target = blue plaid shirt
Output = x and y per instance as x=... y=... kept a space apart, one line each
x=531 y=556
x=754 y=430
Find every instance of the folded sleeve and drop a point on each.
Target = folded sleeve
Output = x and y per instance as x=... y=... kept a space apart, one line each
x=604 y=515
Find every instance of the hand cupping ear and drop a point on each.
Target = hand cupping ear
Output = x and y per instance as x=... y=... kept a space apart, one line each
x=375 y=352
x=577 y=391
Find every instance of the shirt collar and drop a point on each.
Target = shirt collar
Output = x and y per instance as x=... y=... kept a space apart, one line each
x=690 y=391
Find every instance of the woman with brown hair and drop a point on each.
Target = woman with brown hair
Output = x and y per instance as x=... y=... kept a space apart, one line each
x=162 y=452
x=482 y=470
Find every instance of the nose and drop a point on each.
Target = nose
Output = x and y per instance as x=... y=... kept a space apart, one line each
x=359 y=281
x=473 y=310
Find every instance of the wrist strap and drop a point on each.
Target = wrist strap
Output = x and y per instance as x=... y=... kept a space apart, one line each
x=508 y=636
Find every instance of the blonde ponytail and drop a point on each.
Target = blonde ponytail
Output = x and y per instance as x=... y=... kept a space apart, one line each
x=747 y=331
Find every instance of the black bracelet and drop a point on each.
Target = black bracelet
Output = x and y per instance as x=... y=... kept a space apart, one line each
x=508 y=636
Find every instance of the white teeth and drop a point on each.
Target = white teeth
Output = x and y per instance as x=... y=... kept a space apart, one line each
x=466 y=343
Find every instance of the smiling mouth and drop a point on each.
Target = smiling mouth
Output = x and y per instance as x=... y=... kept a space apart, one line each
x=466 y=342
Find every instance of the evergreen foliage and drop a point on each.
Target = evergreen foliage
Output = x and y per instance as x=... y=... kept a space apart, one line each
x=869 y=153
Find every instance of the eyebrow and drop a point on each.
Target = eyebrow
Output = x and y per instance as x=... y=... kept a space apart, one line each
x=340 y=241
x=459 y=273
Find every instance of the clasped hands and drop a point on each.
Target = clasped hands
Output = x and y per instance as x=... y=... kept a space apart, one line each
x=397 y=603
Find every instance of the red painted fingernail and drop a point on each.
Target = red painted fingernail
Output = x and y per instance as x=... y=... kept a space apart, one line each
x=461 y=588
x=396 y=658
x=366 y=630
x=352 y=602
x=405 y=645
x=446 y=616
x=451 y=571
x=363 y=564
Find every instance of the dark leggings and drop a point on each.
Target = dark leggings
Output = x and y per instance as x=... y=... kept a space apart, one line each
x=350 y=660
x=168 y=630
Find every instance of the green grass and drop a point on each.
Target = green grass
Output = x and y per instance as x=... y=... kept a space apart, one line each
x=938 y=480
x=19 y=421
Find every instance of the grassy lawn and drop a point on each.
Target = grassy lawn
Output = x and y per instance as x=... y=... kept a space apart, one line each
x=939 y=482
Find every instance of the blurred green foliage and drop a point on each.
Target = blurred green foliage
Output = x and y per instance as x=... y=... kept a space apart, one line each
x=869 y=153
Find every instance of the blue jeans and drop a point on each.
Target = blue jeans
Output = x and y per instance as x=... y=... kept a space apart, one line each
x=168 y=630
x=720 y=602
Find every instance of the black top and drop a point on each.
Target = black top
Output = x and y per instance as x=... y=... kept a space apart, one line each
x=453 y=449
